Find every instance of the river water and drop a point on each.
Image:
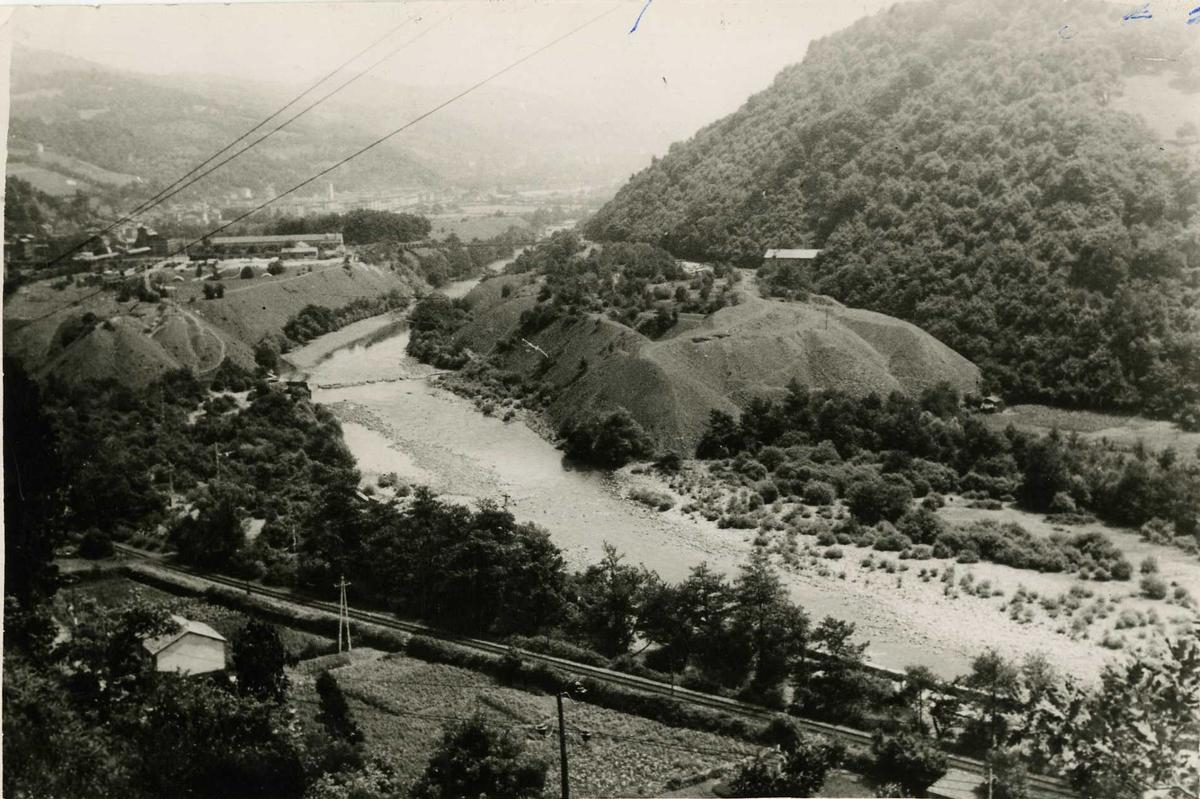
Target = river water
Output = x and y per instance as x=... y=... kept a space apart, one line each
x=428 y=435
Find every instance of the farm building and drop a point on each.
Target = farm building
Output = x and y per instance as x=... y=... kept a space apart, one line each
x=195 y=648
x=789 y=257
x=320 y=245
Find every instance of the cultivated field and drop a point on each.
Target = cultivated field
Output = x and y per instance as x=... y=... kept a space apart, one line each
x=402 y=704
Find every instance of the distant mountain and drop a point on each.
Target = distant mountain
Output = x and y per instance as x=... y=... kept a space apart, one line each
x=101 y=127
x=979 y=170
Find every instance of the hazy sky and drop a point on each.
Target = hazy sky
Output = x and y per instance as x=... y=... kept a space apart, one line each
x=702 y=57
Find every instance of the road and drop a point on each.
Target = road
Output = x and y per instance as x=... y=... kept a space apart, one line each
x=1047 y=787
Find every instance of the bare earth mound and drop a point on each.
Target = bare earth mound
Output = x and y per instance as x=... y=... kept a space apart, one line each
x=753 y=349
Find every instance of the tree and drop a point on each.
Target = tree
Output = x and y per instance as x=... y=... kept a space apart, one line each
x=1133 y=733
x=258 y=661
x=475 y=760
x=873 y=499
x=840 y=688
x=610 y=596
x=906 y=760
x=919 y=682
x=722 y=437
x=999 y=680
x=210 y=539
x=1009 y=777
x=799 y=769
x=775 y=630
x=1046 y=473
x=335 y=713
x=610 y=441
x=33 y=485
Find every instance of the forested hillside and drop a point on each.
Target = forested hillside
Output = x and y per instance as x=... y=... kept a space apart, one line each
x=964 y=167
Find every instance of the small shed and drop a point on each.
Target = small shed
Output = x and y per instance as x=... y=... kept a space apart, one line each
x=956 y=784
x=195 y=648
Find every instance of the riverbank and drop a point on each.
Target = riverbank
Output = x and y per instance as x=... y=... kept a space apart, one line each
x=428 y=435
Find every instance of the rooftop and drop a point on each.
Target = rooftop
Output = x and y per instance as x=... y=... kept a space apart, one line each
x=799 y=254
x=326 y=238
x=186 y=627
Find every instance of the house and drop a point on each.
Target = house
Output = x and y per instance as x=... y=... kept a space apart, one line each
x=195 y=648
x=299 y=252
x=991 y=404
x=789 y=257
x=956 y=784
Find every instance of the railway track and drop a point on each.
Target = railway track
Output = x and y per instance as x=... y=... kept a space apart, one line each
x=1043 y=786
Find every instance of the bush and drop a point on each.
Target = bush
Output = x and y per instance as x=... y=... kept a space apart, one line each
x=1062 y=503
x=817 y=492
x=874 y=499
x=1154 y=587
x=95 y=545
x=906 y=760
x=247 y=273
x=833 y=553
x=276 y=267
x=654 y=499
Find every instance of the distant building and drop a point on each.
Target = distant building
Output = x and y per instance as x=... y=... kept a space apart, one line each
x=299 y=252
x=195 y=648
x=789 y=257
x=149 y=240
x=25 y=247
x=320 y=245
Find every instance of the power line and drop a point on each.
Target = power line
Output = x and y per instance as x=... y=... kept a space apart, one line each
x=398 y=130
x=159 y=197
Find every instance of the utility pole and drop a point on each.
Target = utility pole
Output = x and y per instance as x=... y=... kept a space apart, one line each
x=562 y=745
x=343 y=614
x=576 y=688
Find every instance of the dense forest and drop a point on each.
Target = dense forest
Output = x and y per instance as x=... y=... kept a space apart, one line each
x=964 y=168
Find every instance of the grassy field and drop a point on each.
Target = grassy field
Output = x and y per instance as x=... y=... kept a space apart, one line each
x=1122 y=431
x=402 y=705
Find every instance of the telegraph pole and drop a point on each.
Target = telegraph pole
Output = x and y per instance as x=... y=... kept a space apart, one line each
x=343 y=614
x=562 y=745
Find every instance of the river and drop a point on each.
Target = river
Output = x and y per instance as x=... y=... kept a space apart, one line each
x=403 y=422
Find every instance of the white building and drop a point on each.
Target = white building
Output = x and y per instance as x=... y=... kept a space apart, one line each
x=195 y=648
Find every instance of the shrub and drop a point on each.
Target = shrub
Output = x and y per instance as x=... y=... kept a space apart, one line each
x=921 y=525
x=276 y=267
x=817 y=492
x=833 y=553
x=1154 y=587
x=906 y=760
x=1062 y=503
x=933 y=502
x=247 y=273
x=654 y=499
x=95 y=545
x=874 y=499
